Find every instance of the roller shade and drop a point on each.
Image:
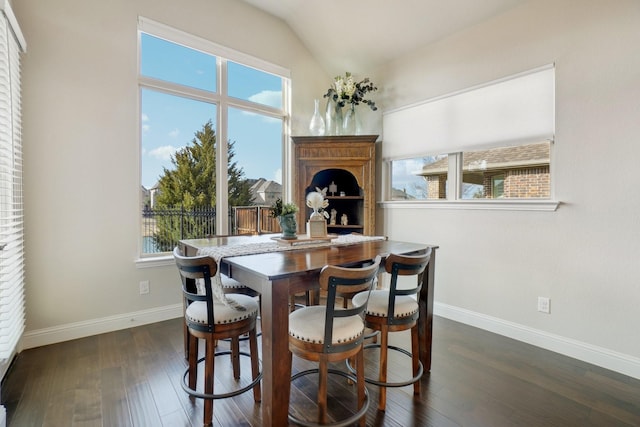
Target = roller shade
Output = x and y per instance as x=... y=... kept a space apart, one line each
x=518 y=109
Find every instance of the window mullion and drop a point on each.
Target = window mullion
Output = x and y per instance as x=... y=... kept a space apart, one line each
x=454 y=176
x=222 y=181
x=178 y=90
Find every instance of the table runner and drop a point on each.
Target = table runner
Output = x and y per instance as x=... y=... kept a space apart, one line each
x=220 y=252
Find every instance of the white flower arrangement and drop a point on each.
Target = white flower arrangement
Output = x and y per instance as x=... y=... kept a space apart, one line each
x=345 y=86
x=345 y=90
x=317 y=202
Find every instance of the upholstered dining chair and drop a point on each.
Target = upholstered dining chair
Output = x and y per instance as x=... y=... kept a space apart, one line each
x=327 y=333
x=212 y=320
x=392 y=310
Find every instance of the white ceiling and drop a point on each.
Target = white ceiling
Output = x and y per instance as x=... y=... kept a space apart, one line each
x=360 y=35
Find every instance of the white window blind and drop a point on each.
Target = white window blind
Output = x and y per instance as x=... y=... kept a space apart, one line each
x=12 y=312
x=515 y=110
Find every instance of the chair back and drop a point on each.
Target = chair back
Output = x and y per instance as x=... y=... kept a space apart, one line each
x=404 y=265
x=192 y=270
x=334 y=279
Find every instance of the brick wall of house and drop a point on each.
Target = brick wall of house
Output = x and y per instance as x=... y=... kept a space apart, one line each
x=518 y=183
x=436 y=187
x=527 y=183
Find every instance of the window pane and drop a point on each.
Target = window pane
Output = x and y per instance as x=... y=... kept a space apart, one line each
x=507 y=172
x=421 y=178
x=253 y=85
x=174 y=63
x=169 y=124
x=255 y=168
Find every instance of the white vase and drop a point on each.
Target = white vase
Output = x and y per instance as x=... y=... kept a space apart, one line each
x=316 y=125
x=333 y=118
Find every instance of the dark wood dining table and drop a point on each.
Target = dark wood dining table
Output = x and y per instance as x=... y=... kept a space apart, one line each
x=276 y=275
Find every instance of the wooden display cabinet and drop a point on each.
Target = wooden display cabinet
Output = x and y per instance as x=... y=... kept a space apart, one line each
x=347 y=161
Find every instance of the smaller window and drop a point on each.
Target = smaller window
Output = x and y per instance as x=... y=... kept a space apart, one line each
x=423 y=178
x=497 y=186
x=515 y=172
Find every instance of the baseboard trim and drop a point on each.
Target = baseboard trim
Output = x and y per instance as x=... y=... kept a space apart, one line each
x=608 y=359
x=618 y=362
x=71 y=331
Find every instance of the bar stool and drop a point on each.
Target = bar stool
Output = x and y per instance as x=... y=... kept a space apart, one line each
x=325 y=334
x=395 y=310
x=211 y=321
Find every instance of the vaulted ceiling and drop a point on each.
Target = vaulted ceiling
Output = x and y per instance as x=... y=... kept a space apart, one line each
x=360 y=35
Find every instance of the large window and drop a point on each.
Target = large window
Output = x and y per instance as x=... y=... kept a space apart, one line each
x=212 y=125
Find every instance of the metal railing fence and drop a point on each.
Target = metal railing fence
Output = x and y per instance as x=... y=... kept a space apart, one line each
x=162 y=228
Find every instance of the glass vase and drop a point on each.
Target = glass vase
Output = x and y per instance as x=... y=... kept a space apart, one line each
x=316 y=125
x=349 y=122
x=333 y=118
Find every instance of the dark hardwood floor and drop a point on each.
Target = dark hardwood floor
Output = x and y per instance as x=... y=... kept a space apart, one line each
x=131 y=378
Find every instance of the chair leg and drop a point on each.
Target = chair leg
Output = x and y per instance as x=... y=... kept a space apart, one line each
x=235 y=357
x=192 y=354
x=322 y=390
x=353 y=361
x=187 y=337
x=209 y=370
x=415 y=358
x=255 y=368
x=360 y=379
x=384 y=341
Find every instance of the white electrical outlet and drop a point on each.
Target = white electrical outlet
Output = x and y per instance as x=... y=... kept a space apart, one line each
x=144 y=287
x=544 y=305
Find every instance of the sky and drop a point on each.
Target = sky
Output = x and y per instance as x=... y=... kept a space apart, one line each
x=169 y=122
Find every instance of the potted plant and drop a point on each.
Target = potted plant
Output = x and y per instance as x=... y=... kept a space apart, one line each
x=286 y=215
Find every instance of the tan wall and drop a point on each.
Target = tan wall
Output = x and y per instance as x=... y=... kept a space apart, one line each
x=493 y=264
x=81 y=150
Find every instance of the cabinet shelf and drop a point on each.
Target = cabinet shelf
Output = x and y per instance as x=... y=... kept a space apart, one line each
x=344 y=197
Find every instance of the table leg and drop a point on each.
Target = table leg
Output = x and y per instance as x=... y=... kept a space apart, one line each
x=425 y=321
x=276 y=358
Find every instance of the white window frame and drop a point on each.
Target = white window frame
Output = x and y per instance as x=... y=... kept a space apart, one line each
x=454 y=189
x=222 y=101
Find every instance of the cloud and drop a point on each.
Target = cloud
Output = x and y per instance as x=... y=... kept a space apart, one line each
x=174 y=133
x=277 y=176
x=272 y=98
x=163 y=153
x=145 y=126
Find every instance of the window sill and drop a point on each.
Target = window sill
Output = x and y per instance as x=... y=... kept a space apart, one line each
x=502 y=205
x=162 y=260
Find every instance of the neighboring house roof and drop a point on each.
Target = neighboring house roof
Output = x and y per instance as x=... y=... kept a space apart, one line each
x=497 y=158
x=397 y=194
x=264 y=186
x=261 y=188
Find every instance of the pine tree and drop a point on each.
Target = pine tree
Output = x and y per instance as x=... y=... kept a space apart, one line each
x=190 y=186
